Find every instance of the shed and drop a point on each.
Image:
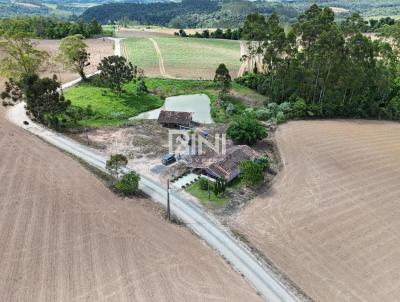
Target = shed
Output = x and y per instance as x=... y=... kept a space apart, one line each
x=175 y=118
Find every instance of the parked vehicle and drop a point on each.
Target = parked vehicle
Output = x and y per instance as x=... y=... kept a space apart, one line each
x=168 y=159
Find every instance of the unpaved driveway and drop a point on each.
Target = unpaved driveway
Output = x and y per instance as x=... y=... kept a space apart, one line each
x=332 y=219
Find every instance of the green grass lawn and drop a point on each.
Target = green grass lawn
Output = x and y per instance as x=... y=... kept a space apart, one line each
x=109 y=108
x=202 y=195
x=194 y=58
x=141 y=52
x=168 y=87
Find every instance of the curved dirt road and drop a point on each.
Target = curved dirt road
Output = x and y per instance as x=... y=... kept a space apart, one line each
x=160 y=59
x=331 y=221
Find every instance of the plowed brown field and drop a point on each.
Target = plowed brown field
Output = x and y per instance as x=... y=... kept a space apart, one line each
x=331 y=221
x=65 y=237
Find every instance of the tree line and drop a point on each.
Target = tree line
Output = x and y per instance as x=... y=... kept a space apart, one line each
x=50 y=28
x=325 y=68
x=228 y=34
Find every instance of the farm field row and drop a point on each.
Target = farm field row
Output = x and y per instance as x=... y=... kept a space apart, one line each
x=331 y=219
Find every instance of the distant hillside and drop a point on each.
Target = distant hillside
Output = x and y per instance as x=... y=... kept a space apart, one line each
x=60 y=8
x=13 y=8
x=153 y=13
x=188 y=13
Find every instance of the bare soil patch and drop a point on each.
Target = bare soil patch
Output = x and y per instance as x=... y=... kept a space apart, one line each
x=65 y=237
x=98 y=49
x=331 y=219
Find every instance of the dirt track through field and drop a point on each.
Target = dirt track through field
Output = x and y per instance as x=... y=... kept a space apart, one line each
x=160 y=59
x=331 y=221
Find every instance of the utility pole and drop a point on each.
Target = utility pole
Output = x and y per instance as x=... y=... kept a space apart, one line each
x=208 y=186
x=168 y=202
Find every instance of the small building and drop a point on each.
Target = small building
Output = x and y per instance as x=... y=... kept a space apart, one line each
x=175 y=119
x=226 y=166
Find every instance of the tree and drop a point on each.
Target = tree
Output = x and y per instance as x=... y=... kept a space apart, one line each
x=245 y=129
x=22 y=58
x=392 y=31
x=219 y=187
x=254 y=27
x=73 y=52
x=115 y=71
x=115 y=164
x=251 y=173
x=45 y=101
x=12 y=93
x=128 y=184
x=325 y=69
x=223 y=77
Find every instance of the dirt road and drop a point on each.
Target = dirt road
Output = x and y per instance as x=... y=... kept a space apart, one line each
x=195 y=217
x=331 y=221
x=160 y=59
x=65 y=237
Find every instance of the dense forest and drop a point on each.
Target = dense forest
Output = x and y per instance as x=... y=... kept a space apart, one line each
x=188 y=13
x=50 y=28
x=326 y=69
x=153 y=13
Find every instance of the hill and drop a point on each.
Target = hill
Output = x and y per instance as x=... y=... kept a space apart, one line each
x=59 y=8
x=188 y=13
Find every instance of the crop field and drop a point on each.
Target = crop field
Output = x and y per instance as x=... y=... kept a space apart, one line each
x=188 y=58
x=198 y=58
x=141 y=52
x=331 y=220
x=66 y=237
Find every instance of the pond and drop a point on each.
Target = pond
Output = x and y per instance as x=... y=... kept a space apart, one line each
x=198 y=104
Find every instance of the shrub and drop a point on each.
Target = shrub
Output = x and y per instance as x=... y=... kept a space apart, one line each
x=299 y=107
x=264 y=162
x=230 y=109
x=280 y=117
x=141 y=87
x=128 y=184
x=245 y=129
x=203 y=184
x=219 y=187
x=251 y=173
x=263 y=114
x=392 y=109
x=285 y=107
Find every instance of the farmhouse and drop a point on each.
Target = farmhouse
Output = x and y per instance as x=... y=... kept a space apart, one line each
x=175 y=119
x=226 y=166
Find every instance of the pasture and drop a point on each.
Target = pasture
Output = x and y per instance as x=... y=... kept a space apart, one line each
x=141 y=52
x=331 y=219
x=187 y=58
